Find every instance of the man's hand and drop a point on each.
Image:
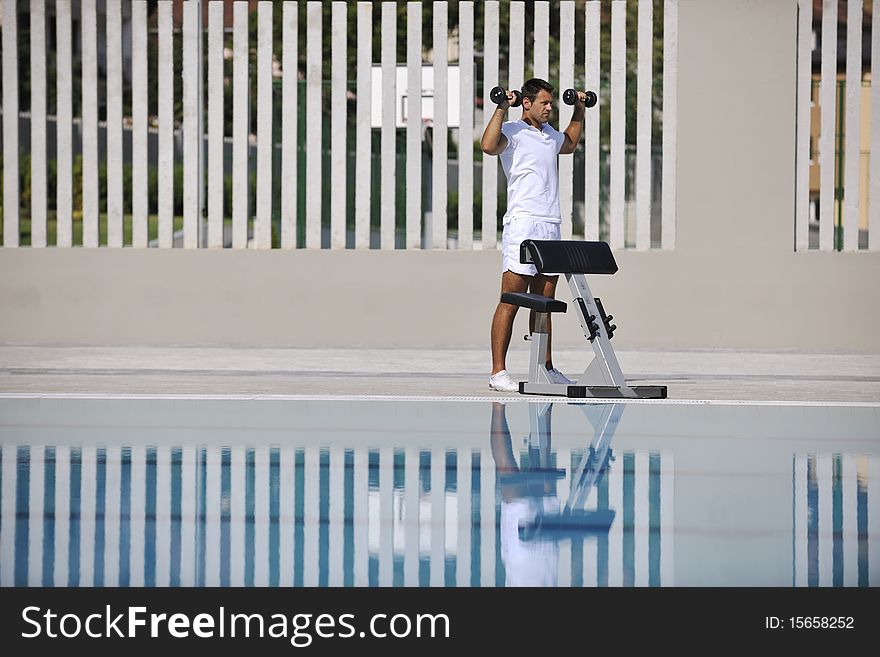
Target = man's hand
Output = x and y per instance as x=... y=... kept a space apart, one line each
x=504 y=105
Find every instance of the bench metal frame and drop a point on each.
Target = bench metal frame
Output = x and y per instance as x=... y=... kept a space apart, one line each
x=602 y=377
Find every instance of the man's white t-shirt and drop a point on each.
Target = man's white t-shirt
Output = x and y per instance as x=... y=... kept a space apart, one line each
x=530 y=164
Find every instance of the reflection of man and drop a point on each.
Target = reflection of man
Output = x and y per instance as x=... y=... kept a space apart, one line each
x=526 y=563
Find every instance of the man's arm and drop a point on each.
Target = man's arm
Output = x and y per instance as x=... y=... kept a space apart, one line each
x=573 y=131
x=493 y=141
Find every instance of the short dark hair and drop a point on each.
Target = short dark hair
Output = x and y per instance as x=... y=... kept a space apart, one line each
x=531 y=88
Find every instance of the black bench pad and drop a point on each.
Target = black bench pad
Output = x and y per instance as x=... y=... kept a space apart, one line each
x=568 y=256
x=534 y=301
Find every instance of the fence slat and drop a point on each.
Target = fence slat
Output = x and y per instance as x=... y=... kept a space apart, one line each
x=670 y=124
x=91 y=208
x=491 y=77
x=413 y=124
x=592 y=49
x=874 y=184
x=852 y=129
x=215 y=124
x=10 y=131
x=240 y=125
x=192 y=107
x=644 y=45
x=827 y=92
x=618 y=125
x=439 y=187
x=263 y=200
x=566 y=81
x=466 y=126
x=114 y=125
x=338 y=111
x=140 y=197
x=389 y=136
x=64 y=126
x=541 y=41
x=38 y=123
x=314 y=139
x=166 y=127
x=802 y=150
x=516 y=52
x=289 y=114
x=363 y=139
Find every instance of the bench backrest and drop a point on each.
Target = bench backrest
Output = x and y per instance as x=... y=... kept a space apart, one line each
x=568 y=256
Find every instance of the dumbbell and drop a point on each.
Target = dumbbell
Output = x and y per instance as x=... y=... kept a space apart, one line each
x=499 y=94
x=569 y=96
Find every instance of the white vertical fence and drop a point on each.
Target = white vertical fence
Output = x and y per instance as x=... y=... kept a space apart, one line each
x=351 y=189
x=837 y=204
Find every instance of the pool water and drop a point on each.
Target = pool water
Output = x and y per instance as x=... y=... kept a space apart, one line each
x=225 y=491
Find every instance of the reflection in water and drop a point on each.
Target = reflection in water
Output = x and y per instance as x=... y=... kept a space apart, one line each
x=569 y=494
x=194 y=515
x=831 y=520
x=538 y=519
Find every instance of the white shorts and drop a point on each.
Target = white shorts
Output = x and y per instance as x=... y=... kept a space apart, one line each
x=515 y=232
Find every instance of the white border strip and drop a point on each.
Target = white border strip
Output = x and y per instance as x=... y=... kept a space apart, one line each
x=427 y=398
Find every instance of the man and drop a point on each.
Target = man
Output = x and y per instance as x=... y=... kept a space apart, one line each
x=528 y=150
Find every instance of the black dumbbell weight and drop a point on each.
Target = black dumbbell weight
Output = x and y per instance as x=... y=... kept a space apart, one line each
x=498 y=94
x=569 y=96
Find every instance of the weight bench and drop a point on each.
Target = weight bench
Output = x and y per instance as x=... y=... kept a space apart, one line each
x=602 y=378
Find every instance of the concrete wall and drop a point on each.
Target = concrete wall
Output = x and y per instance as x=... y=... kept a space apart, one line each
x=733 y=279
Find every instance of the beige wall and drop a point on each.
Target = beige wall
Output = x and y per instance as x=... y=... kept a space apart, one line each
x=732 y=281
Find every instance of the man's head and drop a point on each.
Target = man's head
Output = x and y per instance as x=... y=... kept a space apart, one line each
x=537 y=101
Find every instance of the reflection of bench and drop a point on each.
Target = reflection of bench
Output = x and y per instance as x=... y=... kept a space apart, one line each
x=574 y=520
x=575 y=259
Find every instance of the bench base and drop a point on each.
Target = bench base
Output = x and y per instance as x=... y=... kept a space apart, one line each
x=598 y=392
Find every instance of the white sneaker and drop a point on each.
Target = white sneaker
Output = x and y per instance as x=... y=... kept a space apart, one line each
x=558 y=377
x=502 y=382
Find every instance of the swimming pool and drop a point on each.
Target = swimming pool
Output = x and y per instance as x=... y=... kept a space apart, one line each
x=288 y=491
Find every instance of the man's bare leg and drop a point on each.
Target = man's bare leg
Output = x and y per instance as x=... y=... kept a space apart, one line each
x=502 y=322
